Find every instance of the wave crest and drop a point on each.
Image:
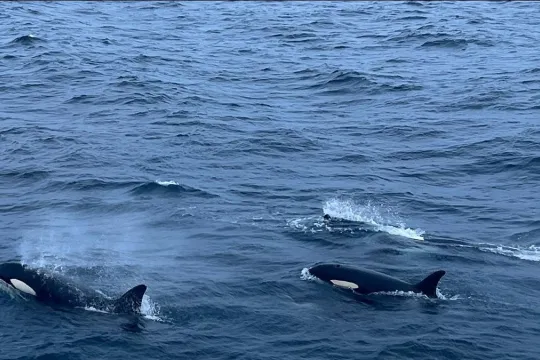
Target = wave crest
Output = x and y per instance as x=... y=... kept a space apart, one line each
x=26 y=40
x=169 y=188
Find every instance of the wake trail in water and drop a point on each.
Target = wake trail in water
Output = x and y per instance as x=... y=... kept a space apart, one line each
x=371 y=215
x=530 y=253
x=356 y=217
x=522 y=252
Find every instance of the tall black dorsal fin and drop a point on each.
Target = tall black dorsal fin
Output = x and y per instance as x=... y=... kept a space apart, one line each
x=428 y=286
x=131 y=301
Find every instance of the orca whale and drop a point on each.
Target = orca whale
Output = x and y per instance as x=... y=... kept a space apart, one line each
x=364 y=281
x=55 y=290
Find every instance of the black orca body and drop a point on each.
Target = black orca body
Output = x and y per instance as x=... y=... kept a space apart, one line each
x=363 y=281
x=55 y=290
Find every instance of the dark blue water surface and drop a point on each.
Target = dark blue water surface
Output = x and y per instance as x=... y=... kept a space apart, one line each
x=195 y=146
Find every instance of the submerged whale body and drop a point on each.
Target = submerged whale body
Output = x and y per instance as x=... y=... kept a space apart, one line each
x=353 y=224
x=55 y=290
x=364 y=281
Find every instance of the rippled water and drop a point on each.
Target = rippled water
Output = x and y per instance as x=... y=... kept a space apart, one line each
x=195 y=147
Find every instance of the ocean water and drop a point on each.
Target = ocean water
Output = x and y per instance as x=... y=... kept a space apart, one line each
x=195 y=147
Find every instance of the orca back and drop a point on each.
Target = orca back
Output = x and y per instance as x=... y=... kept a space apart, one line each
x=428 y=286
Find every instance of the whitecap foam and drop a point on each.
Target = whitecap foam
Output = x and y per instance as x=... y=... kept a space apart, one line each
x=167 y=183
x=530 y=253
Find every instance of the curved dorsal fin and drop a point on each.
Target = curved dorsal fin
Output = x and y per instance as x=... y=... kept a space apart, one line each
x=428 y=286
x=131 y=301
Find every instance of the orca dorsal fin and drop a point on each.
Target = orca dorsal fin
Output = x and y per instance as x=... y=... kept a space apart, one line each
x=131 y=301
x=428 y=286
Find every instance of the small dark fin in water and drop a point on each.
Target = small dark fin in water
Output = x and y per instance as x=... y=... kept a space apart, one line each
x=428 y=286
x=327 y=217
x=131 y=301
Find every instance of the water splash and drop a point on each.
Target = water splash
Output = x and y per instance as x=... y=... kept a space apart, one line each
x=365 y=218
x=150 y=309
x=371 y=215
x=306 y=275
x=442 y=296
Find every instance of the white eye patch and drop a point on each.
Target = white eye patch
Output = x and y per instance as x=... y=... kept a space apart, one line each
x=21 y=286
x=344 y=284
